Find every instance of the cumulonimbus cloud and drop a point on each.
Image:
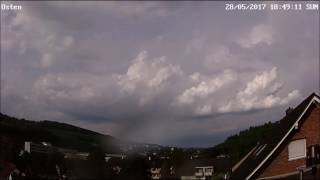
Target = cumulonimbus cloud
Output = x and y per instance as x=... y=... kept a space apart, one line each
x=148 y=79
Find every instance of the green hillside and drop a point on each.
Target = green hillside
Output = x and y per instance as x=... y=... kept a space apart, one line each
x=68 y=136
x=58 y=134
x=238 y=145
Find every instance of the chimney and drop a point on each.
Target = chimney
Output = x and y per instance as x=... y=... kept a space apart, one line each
x=289 y=110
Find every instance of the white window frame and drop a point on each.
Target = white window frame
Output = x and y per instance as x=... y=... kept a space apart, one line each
x=298 y=157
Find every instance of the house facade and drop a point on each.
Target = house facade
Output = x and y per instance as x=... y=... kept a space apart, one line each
x=291 y=151
x=204 y=172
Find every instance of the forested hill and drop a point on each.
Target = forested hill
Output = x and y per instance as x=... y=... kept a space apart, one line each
x=68 y=136
x=59 y=134
x=238 y=145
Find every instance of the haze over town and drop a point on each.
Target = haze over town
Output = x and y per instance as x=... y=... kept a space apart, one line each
x=170 y=73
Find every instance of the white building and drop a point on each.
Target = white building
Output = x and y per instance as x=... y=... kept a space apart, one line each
x=155 y=173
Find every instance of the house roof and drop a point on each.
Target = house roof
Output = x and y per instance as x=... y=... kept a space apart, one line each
x=268 y=147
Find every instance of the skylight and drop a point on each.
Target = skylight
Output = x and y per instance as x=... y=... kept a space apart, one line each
x=261 y=149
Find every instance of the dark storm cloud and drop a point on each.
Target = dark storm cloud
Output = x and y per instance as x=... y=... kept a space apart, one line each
x=184 y=73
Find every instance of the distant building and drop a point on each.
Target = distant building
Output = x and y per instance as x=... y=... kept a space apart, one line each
x=189 y=169
x=155 y=173
x=204 y=172
x=109 y=156
x=38 y=148
x=47 y=148
x=203 y=169
x=76 y=155
x=292 y=151
x=116 y=164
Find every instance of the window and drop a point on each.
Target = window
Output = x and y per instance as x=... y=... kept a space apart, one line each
x=297 y=149
x=260 y=150
x=199 y=170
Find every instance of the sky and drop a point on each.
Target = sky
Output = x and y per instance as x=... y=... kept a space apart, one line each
x=186 y=74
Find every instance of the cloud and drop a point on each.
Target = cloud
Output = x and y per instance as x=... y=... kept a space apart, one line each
x=203 y=110
x=220 y=57
x=195 y=44
x=145 y=81
x=23 y=31
x=140 y=9
x=47 y=60
x=261 y=33
x=259 y=93
x=260 y=82
x=156 y=84
x=205 y=86
x=152 y=74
